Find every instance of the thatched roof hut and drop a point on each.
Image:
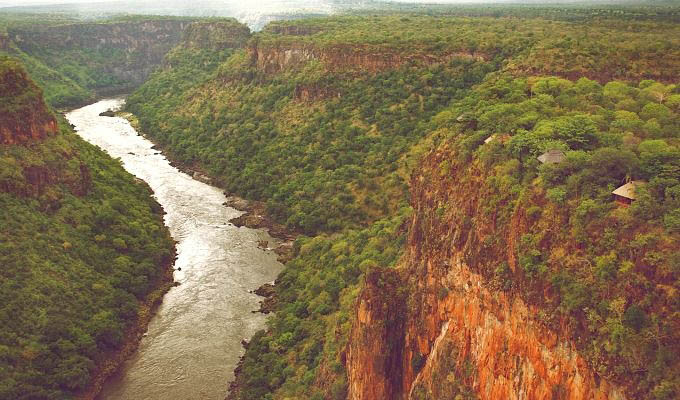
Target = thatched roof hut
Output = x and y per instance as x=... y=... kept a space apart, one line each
x=552 y=157
x=626 y=194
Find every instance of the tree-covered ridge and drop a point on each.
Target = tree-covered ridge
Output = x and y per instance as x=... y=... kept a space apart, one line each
x=258 y=140
x=607 y=272
x=330 y=152
x=18 y=92
x=608 y=50
x=582 y=12
x=18 y=20
x=73 y=60
x=82 y=244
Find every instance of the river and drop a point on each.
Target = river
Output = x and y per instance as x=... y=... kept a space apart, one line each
x=193 y=342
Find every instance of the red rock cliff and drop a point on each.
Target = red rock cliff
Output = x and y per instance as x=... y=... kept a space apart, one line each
x=461 y=334
x=23 y=114
x=25 y=120
x=341 y=57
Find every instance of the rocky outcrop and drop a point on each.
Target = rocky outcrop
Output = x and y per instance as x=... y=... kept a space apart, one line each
x=463 y=333
x=216 y=35
x=272 y=59
x=24 y=116
x=136 y=47
x=377 y=339
x=26 y=120
x=483 y=340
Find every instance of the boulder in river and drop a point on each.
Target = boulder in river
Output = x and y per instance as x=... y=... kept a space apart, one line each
x=202 y=178
x=108 y=113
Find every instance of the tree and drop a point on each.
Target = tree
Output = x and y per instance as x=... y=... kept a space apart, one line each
x=656 y=111
x=618 y=91
x=577 y=131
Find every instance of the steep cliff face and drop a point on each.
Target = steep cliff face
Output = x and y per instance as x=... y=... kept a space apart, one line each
x=463 y=334
x=24 y=116
x=26 y=120
x=273 y=59
x=130 y=36
x=126 y=51
x=379 y=327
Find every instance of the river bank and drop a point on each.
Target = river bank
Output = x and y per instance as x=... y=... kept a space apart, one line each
x=254 y=215
x=112 y=362
x=193 y=342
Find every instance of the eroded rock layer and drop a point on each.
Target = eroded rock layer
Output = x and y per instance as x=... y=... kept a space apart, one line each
x=23 y=114
x=458 y=332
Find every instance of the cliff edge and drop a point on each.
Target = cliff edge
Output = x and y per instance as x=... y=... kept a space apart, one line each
x=24 y=116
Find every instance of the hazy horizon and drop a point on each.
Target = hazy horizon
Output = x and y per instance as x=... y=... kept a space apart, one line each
x=255 y=13
x=256 y=3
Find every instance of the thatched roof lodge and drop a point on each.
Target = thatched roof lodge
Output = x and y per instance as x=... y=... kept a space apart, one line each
x=626 y=194
x=552 y=157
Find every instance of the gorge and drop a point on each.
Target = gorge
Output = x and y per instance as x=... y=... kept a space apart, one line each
x=436 y=255
x=193 y=342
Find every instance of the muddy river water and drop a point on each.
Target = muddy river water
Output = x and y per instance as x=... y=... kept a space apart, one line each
x=193 y=342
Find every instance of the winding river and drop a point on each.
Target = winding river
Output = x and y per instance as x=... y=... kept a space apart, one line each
x=193 y=342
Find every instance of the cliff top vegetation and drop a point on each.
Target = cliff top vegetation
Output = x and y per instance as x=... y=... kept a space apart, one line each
x=330 y=152
x=610 y=49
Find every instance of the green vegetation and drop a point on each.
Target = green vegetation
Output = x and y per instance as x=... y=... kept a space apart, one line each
x=18 y=94
x=300 y=354
x=612 y=271
x=59 y=87
x=73 y=61
x=329 y=145
x=259 y=141
x=581 y=12
x=82 y=244
x=256 y=137
x=607 y=50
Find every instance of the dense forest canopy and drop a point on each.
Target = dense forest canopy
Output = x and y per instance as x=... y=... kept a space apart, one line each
x=82 y=244
x=75 y=61
x=330 y=145
x=330 y=122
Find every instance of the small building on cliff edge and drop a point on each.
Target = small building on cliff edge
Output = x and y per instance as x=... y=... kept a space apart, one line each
x=626 y=194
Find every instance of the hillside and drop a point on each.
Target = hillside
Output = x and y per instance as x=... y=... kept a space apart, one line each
x=23 y=113
x=535 y=267
x=437 y=266
x=83 y=249
x=76 y=61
